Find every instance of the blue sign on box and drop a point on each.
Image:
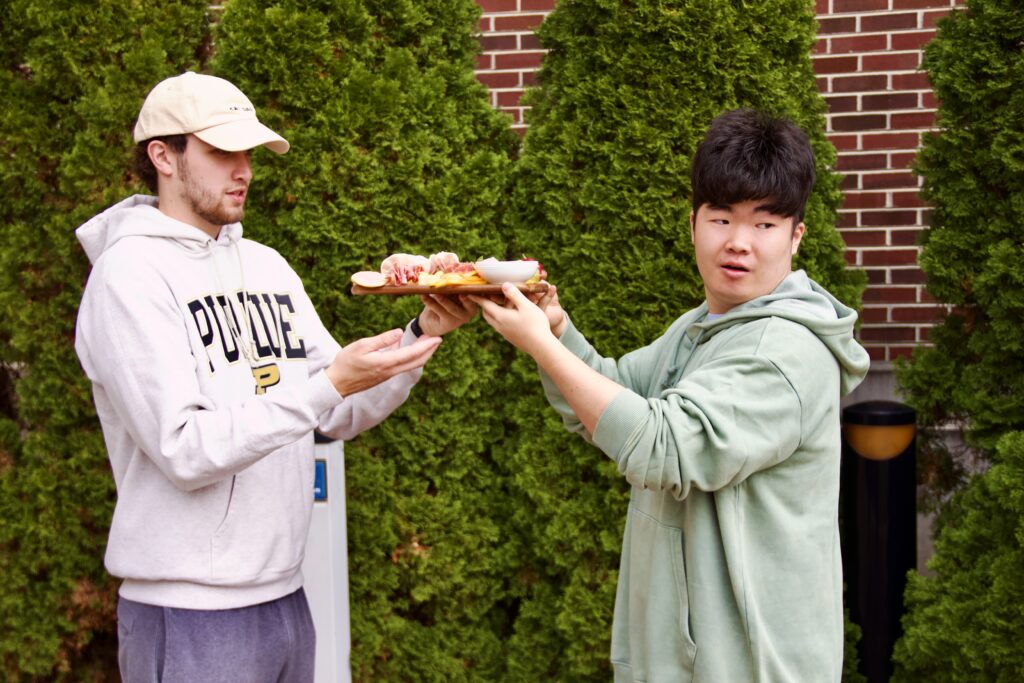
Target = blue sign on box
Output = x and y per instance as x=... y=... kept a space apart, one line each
x=320 y=481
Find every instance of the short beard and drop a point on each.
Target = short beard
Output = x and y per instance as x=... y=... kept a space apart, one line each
x=204 y=203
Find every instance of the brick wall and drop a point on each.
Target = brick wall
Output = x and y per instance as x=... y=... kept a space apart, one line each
x=866 y=58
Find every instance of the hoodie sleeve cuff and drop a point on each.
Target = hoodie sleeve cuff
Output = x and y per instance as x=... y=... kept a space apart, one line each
x=322 y=395
x=626 y=413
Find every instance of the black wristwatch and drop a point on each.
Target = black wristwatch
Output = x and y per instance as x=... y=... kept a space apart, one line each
x=415 y=327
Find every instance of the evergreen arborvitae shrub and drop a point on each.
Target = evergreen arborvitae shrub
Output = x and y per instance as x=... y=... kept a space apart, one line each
x=395 y=148
x=602 y=198
x=973 y=170
x=966 y=623
x=72 y=80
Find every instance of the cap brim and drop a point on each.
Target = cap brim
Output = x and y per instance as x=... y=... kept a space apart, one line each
x=238 y=136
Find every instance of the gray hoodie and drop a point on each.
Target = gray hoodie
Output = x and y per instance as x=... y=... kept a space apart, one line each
x=208 y=406
x=729 y=434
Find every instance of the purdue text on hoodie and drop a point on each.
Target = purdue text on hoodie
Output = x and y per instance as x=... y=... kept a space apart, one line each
x=206 y=358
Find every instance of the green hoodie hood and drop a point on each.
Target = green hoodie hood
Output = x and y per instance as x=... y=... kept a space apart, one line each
x=801 y=300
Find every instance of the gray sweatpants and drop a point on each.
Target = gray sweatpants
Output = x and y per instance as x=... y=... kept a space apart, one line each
x=273 y=642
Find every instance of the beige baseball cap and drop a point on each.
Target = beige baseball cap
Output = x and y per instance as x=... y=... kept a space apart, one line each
x=211 y=108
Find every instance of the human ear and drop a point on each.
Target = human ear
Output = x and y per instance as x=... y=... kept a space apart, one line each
x=161 y=157
x=798 y=234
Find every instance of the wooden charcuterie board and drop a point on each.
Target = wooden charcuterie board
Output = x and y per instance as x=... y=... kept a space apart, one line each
x=403 y=290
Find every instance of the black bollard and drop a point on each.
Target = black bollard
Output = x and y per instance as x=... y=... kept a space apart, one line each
x=878 y=512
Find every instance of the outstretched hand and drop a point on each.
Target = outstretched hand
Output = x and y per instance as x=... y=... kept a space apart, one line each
x=442 y=314
x=369 y=361
x=519 y=320
x=547 y=301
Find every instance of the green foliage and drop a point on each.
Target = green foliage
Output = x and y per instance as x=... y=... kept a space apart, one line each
x=966 y=623
x=601 y=195
x=973 y=171
x=72 y=79
x=395 y=148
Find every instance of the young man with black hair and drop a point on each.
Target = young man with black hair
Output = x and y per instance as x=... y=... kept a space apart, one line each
x=210 y=371
x=727 y=427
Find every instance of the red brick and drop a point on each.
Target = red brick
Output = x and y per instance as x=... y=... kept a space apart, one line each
x=840 y=6
x=902 y=160
x=861 y=162
x=518 y=60
x=858 y=123
x=500 y=41
x=843 y=143
x=529 y=78
x=500 y=79
x=905 y=238
x=529 y=41
x=863 y=238
x=834 y=65
x=484 y=62
x=864 y=200
x=931 y=19
x=877 y=276
x=904 y=200
x=821 y=83
x=821 y=6
x=860 y=43
x=889 y=101
x=918 y=119
x=837 y=25
x=911 y=41
x=850 y=182
x=886 y=23
x=903 y=61
x=847 y=219
x=929 y=101
x=908 y=276
x=518 y=22
x=889 y=257
x=914 y=81
x=887 y=333
x=509 y=98
x=918 y=4
x=878 y=181
x=873 y=315
x=841 y=105
x=885 y=219
x=538 y=5
x=890 y=141
x=918 y=314
x=498 y=5
x=820 y=47
x=875 y=353
x=860 y=83
x=485 y=25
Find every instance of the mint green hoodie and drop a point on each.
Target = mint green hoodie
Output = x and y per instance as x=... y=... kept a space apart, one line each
x=729 y=434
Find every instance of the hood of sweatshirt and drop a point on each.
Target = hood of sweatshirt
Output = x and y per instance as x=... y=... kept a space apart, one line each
x=138 y=215
x=804 y=301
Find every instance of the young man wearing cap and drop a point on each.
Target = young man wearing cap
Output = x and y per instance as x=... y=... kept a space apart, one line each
x=210 y=371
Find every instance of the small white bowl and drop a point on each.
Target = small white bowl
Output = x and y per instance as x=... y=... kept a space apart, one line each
x=495 y=271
